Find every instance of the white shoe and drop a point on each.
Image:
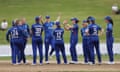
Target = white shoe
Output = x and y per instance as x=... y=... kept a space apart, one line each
x=33 y=64
x=73 y=62
x=99 y=63
x=110 y=63
x=90 y=63
x=14 y=64
x=41 y=64
x=66 y=63
x=47 y=62
x=86 y=63
x=18 y=63
x=25 y=63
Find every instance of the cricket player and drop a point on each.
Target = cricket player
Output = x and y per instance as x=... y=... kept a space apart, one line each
x=37 y=42
x=15 y=36
x=48 y=40
x=109 y=38
x=85 y=42
x=73 y=38
x=25 y=28
x=93 y=30
x=59 y=43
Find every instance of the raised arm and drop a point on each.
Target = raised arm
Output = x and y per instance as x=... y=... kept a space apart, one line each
x=41 y=19
x=58 y=18
x=66 y=25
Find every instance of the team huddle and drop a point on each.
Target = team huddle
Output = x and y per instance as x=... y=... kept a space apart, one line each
x=19 y=33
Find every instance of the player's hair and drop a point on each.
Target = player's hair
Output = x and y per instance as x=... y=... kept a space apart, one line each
x=17 y=21
x=58 y=26
x=88 y=21
x=37 y=21
x=93 y=21
x=111 y=21
x=77 y=21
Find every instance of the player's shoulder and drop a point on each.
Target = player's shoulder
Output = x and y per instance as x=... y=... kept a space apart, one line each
x=45 y=24
x=76 y=24
x=93 y=25
x=110 y=25
x=34 y=24
x=59 y=29
x=89 y=25
x=98 y=25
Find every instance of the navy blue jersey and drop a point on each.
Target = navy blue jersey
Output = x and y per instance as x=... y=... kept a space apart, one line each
x=74 y=32
x=37 y=30
x=15 y=32
x=83 y=32
x=94 y=29
x=48 y=28
x=109 y=30
x=58 y=35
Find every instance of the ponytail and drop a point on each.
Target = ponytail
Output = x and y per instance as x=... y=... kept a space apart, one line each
x=111 y=21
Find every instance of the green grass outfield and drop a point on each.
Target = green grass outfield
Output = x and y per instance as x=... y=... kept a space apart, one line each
x=80 y=58
x=11 y=9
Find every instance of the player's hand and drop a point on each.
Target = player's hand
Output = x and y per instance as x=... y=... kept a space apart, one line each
x=101 y=32
x=40 y=16
x=65 y=22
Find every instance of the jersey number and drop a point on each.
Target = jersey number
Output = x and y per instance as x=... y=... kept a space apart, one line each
x=38 y=31
x=59 y=36
x=14 y=33
x=95 y=31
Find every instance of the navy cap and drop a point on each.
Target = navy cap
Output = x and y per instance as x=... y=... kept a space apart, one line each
x=91 y=18
x=84 y=21
x=47 y=17
x=74 y=19
x=57 y=23
x=108 y=18
x=37 y=18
